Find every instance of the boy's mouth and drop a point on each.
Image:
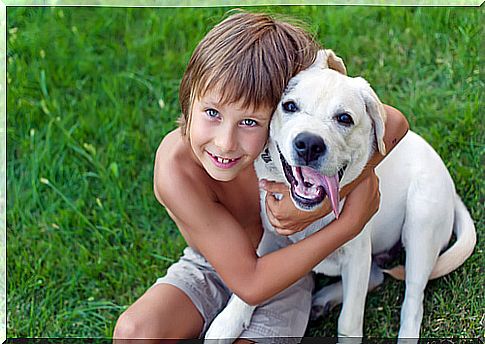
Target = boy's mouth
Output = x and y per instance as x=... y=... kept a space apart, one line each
x=309 y=187
x=223 y=162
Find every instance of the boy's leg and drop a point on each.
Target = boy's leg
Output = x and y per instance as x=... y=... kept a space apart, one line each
x=164 y=311
x=180 y=305
x=284 y=315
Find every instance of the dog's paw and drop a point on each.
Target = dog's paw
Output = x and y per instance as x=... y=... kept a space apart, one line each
x=319 y=311
x=349 y=340
x=230 y=323
x=224 y=329
x=219 y=329
x=325 y=300
x=227 y=326
x=219 y=341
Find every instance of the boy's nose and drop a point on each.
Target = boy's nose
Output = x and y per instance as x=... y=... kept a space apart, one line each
x=226 y=140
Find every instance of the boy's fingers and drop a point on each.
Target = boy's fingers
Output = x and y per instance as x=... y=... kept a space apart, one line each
x=272 y=219
x=271 y=201
x=278 y=226
x=274 y=187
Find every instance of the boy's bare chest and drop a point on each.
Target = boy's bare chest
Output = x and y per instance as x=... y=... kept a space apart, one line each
x=241 y=199
x=244 y=206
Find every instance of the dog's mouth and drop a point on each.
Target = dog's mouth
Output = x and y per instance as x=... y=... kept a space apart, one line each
x=309 y=187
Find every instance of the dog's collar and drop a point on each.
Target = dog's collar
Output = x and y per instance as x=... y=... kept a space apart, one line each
x=266 y=156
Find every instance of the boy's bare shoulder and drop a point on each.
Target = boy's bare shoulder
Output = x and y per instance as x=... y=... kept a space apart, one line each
x=173 y=154
x=175 y=171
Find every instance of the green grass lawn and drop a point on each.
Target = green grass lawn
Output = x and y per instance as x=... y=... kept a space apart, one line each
x=92 y=91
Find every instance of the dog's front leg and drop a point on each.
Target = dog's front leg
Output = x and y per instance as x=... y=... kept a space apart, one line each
x=355 y=281
x=230 y=323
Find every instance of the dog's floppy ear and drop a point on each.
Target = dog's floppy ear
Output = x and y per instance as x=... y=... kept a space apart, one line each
x=376 y=112
x=327 y=59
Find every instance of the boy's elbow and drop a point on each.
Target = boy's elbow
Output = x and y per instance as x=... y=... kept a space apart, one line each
x=249 y=299
x=156 y=192
x=251 y=296
x=403 y=126
x=398 y=119
x=402 y=121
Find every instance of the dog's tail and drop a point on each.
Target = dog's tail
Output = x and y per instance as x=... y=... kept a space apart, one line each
x=456 y=255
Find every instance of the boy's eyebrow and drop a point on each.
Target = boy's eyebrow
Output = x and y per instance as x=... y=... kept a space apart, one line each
x=209 y=102
x=261 y=117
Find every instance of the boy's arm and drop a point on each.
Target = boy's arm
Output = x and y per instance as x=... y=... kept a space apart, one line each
x=287 y=219
x=224 y=243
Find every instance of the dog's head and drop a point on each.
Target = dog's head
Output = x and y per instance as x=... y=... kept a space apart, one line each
x=324 y=130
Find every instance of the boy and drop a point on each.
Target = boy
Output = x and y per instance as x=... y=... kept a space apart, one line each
x=204 y=177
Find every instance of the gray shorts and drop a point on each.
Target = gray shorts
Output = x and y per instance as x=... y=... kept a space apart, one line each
x=284 y=315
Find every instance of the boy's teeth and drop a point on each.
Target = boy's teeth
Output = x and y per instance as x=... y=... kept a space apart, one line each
x=223 y=161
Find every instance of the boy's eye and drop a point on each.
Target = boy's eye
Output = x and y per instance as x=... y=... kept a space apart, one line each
x=212 y=112
x=249 y=122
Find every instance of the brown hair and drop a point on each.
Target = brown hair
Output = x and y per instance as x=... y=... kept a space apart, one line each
x=251 y=57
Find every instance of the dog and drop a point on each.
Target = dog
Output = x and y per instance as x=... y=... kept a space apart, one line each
x=323 y=132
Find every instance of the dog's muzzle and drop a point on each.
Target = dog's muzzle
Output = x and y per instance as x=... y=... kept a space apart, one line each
x=308 y=187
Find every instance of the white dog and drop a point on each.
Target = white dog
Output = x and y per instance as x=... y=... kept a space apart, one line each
x=324 y=130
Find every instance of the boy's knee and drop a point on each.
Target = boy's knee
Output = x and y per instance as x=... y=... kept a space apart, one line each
x=133 y=326
x=128 y=326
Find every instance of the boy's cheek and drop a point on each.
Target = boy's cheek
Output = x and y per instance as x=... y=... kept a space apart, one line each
x=260 y=141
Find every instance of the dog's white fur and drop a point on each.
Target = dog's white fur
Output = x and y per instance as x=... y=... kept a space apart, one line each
x=419 y=205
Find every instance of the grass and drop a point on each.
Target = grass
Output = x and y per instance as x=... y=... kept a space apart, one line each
x=92 y=91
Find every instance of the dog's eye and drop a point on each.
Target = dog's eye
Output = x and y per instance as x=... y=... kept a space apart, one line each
x=344 y=119
x=290 y=106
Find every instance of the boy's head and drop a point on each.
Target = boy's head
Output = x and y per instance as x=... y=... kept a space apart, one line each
x=250 y=58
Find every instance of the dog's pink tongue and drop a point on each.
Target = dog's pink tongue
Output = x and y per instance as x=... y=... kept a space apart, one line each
x=330 y=184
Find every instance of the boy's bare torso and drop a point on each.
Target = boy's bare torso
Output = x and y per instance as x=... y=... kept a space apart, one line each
x=239 y=196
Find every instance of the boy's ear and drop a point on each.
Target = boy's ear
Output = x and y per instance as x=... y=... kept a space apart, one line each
x=327 y=59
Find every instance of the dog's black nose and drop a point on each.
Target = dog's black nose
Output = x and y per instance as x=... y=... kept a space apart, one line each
x=309 y=146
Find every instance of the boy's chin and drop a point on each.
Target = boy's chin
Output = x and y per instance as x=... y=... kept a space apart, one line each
x=222 y=176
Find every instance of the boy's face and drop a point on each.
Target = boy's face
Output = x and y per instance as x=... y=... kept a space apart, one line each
x=226 y=138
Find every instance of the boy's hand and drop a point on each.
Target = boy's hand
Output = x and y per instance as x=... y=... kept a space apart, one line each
x=282 y=213
x=361 y=204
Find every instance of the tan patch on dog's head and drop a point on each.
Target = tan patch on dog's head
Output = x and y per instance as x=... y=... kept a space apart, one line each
x=335 y=62
x=327 y=59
